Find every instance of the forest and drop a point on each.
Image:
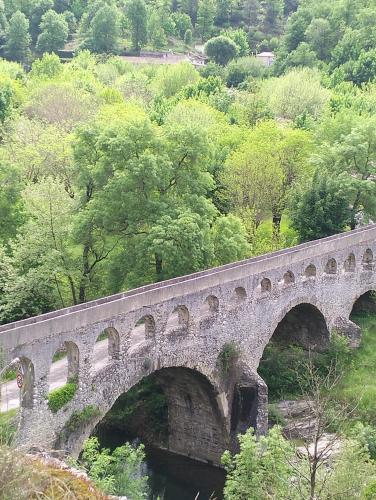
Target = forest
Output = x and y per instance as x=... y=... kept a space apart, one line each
x=115 y=174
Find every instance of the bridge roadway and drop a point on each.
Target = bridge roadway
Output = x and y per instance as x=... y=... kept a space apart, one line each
x=178 y=330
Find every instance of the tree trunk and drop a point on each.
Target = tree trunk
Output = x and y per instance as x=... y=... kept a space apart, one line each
x=159 y=267
x=276 y=221
x=354 y=209
x=85 y=274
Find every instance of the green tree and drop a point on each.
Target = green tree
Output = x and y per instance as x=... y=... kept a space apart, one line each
x=229 y=239
x=188 y=37
x=320 y=36
x=348 y=149
x=239 y=36
x=261 y=468
x=39 y=9
x=137 y=15
x=18 y=40
x=54 y=32
x=183 y=23
x=3 y=21
x=221 y=50
x=205 y=19
x=156 y=33
x=296 y=94
x=104 y=32
x=321 y=210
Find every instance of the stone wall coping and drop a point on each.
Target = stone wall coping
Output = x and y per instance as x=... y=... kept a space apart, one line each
x=70 y=318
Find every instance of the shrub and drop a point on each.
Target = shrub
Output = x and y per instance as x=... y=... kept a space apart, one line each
x=241 y=69
x=227 y=357
x=80 y=418
x=61 y=396
x=116 y=473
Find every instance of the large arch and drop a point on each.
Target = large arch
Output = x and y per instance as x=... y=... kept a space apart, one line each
x=304 y=325
x=196 y=422
x=364 y=303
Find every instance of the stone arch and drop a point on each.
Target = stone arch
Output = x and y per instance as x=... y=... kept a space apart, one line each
x=192 y=398
x=310 y=271
x=364 y=303
x=65 y=365
x=331 y=266
x=349 y=264
x=367 y=260
x=144 y=328
x=288 y=278
x=210 y=306
x=304 y=325
x=179 y=320
x=22 y=366
x=266 y=285
x=106 y=348
x=239 y=294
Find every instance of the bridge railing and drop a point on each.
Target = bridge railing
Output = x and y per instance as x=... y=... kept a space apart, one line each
x=368 y=232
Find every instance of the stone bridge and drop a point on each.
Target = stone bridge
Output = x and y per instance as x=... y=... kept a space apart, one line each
x=182 y=327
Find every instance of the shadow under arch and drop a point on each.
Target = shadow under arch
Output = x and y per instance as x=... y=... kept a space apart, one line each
x=303 y=325
x=364 y=303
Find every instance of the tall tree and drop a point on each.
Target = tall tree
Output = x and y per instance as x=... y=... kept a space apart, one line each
x=18 y=40
x=54 y=32
x=137 y=15
x=205 y=19
x=104 y=30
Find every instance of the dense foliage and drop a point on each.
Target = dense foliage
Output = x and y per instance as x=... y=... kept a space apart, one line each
x=116 y=175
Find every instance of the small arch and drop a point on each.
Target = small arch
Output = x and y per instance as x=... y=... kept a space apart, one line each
x=310 y=271
x=266 y=285
x=64 y=367
x=143 y=329
x=331 y=266
x=240 y=294
x=289 y=278
x=106 y=348
x=349 y=265
x=179 y=319
x=210 y=306
x=367 y=261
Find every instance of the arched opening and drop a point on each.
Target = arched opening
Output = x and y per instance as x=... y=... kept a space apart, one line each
x=239 y=296
x=305 y=326
x=178 y=322
x=63 y=376
x=349 y=265
x=302 y=335
x=310 y=271
x=331 y=266
x=106 y=349
x=174 y=409
x=210 y=307
x=17 y=386
x=266 y=285
x=365 y=304
x=288 y=278
x=144 y=329
x=367 y=261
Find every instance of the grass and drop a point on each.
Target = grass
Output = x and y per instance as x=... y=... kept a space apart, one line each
x=7 y=426
x=358 y=386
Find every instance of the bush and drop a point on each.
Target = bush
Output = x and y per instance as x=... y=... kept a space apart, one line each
x=227 y=357
x=60 y=397
x=80 y=418
x=241 y=69
x=116 y=473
